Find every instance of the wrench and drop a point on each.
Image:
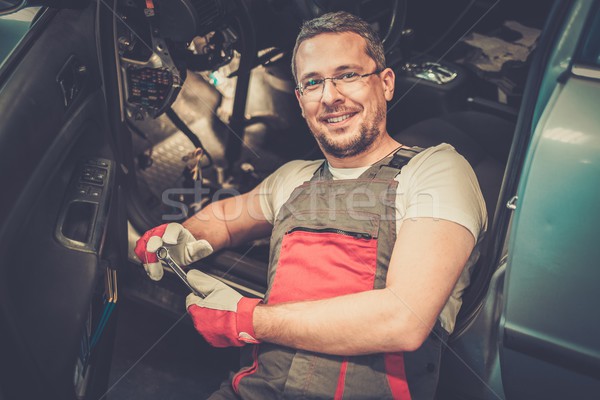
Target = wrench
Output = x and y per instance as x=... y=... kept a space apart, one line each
x=162 y=253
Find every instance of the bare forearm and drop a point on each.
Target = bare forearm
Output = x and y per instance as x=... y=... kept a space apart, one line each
x=368 y=322
x=229 y=222
x=206 y=225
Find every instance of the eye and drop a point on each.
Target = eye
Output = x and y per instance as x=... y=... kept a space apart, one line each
x=348 y=76
x=312 y=83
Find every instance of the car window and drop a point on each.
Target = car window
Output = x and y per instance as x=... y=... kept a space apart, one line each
x=13 y=28
x=590 y=50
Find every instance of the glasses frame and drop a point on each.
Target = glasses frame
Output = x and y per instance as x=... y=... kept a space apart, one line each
x=333 y=79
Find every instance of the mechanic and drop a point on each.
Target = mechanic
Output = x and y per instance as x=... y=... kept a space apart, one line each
x=370 y=250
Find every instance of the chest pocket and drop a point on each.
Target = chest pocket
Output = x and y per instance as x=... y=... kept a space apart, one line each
x=324 y=259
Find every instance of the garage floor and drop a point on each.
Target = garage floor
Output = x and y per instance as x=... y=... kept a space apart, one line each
x=159 y=357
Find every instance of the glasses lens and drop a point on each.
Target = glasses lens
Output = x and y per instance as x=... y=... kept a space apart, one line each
x=348 y=77
x=312 y=86
x=345 y=83
x=348 y=82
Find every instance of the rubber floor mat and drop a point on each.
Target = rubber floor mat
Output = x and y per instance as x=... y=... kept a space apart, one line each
x=166 y=171
x=502 y=60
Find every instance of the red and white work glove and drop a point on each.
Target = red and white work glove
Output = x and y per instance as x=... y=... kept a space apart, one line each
x=182 y=245
x=224 y=317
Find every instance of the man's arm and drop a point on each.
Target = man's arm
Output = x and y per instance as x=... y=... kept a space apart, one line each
x=427 y=260
x=230 y=222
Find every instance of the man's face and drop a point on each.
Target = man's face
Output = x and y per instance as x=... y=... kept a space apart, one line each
x=346 y=120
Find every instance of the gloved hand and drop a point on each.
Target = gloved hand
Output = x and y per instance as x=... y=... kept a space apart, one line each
x=182 y=245
x=224 y=317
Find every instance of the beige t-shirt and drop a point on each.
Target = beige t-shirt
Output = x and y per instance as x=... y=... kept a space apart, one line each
x=437 y=183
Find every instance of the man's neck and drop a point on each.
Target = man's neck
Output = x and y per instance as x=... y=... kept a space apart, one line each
x=381 y=148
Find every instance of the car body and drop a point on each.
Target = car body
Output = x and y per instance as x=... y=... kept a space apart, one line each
x=80 y=128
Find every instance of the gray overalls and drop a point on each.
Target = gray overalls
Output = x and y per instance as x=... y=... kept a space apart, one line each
x=329 y=239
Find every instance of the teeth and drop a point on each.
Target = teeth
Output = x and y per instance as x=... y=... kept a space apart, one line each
x=338 y=119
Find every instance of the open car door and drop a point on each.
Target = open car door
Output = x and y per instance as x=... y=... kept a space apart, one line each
x=60 y=221
x=551 y=330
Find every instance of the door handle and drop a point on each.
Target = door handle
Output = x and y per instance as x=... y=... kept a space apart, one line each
x=71 y=79
x=83 y=218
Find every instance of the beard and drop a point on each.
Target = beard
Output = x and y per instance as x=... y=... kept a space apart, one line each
x=367 y=133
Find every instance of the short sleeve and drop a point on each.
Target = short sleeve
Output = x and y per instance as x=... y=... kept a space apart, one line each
x=441 y=184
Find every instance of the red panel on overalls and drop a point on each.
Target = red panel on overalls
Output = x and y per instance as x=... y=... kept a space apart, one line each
x=314 y=264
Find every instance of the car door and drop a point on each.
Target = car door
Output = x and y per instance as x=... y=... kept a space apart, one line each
x=535 y=334
x=60 y=214
x=551 y=325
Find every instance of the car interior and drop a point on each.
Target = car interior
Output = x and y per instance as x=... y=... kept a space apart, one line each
x=121 y=115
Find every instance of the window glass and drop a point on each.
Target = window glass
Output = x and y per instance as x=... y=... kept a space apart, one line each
x=13 y=28
x=590 y=51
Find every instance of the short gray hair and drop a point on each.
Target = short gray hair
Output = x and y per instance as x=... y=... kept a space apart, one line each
x=341 y=22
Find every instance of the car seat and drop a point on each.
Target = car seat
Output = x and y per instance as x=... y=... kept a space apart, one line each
x=485 y=141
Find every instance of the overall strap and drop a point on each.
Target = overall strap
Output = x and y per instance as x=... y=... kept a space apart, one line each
x=388 y=170
x=385 y=169
x=404 y=155
x=322 y=173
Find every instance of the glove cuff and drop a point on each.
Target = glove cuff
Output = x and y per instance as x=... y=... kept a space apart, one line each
x=244 y=314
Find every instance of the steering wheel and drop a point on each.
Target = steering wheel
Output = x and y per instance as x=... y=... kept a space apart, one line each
x=390 y=34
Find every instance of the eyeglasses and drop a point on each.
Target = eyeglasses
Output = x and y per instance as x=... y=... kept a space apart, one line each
x=312 y=88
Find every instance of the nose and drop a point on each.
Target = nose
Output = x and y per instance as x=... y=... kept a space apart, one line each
x=331 y=94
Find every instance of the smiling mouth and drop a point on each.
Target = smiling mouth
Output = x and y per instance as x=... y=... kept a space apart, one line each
x=339 y=119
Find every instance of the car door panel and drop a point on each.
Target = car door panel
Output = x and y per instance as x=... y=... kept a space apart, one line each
x=558 y=192
x=48 y=282
x=33 y=110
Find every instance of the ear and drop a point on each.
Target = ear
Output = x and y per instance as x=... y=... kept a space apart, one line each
x=297 y=93
x=388 y=81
